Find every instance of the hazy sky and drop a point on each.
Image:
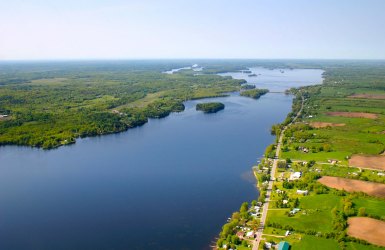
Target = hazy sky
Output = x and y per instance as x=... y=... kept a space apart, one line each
x=118 y=29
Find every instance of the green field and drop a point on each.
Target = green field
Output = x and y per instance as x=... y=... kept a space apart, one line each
x=372 y=206
x=315 y=213
x=316 y=243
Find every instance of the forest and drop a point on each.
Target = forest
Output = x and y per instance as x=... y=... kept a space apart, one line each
x=210 y=107
x=49 y=104
x=254 y=93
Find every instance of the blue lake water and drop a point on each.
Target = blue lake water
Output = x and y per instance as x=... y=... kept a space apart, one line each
x=169 y=184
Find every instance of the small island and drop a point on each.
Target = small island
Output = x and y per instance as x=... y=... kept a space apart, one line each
x=247 y=86
x=254 y=93
x=210 y=107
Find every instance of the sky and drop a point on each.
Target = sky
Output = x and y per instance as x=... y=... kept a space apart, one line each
x=140 y=29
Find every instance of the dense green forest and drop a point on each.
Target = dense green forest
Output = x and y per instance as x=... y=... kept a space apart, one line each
x=210 y=107
x=51 y=104
x=254 y=93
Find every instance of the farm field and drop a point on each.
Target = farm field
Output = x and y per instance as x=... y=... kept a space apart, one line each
x=374 y=189
x=368 y=161
x=367 y=229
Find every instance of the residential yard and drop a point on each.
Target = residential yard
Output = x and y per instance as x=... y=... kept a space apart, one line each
x=316 y=219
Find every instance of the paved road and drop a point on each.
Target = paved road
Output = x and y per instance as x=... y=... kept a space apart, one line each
x=271 y=182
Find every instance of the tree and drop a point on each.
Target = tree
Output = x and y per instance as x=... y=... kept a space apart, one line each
x=244 y=207
x=282 y=164
x=288 y=185
x=310 y=163
x=262 y=197
x=361 y=211
x=236 y=216
x=220 y=242
x=235 y=240
x=296 y=202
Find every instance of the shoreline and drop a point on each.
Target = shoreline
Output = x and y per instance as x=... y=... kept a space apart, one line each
x=272 y=179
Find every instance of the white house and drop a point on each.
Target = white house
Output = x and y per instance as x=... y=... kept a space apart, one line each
x=304 y=192
x=295 y=176
x=268 y=245
x=250 y=234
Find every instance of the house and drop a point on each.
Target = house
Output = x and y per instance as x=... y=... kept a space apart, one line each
x=287 y=233
x=283 y=245
x=285 y=201
x=332 y=161
x=295 y=176
x=268 y=245
x=295 y=210
x=249 y=234
x=304 y=192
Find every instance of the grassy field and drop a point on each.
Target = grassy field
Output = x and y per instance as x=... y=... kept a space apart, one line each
x=316 y=243
x=372 y=206
x=315 y=213
x=357 y=246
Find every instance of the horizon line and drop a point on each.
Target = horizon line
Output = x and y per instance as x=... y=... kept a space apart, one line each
x=186 y=58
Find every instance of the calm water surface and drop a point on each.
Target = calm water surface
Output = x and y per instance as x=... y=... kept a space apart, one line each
x=169 y=184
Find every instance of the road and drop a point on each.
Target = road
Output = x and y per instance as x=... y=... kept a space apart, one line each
x=271 y=182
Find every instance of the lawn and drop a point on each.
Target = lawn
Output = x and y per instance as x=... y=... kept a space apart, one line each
x=319 y=220
x=321 y=201
x=315 y=243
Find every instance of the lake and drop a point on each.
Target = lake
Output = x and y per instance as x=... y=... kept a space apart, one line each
x=170 y=184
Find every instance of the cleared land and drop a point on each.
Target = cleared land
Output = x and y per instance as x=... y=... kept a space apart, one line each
x=368 y=161
x=368 y=229
x=368 y=96
x=370 y=188
x=325 y=124
x=353 y=114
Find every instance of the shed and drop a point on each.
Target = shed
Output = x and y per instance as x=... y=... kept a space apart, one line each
x=283 y=245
